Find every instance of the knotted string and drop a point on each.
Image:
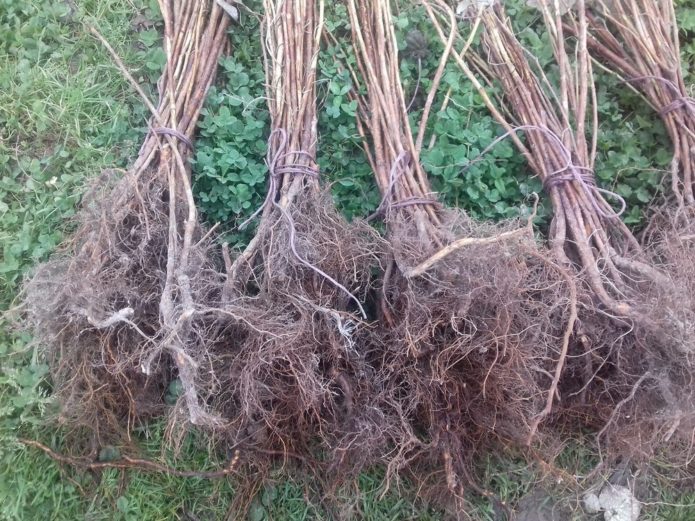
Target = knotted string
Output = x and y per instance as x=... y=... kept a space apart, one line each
x=276 y=172
x=680 y=100
x=387 y=203
x=582 y=175
x=174 y=133
x=561 y=176
x=685 y=102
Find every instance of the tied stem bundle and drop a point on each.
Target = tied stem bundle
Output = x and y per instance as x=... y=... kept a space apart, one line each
x=291 y=371
x=638 y=40
x=393 y=155
x=586 y=231
x=292 y=33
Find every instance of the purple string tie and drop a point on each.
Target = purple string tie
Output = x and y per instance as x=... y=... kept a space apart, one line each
x=174 y=133
x=387 y=203
x=570 y=172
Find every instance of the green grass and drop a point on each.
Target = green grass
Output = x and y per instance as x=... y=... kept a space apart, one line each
x=66 y=114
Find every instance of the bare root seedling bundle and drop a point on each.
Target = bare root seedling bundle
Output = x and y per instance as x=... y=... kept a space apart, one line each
x=638 y=41
x=116 y=307
x=625 y=357
x=293 y=377
x=473 y=319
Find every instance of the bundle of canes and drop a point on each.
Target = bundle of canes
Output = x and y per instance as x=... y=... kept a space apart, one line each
x=467 y=325
x=292 y=378
x=627 y=356
x=638 y=40
x=115 y=307
x=585 y=231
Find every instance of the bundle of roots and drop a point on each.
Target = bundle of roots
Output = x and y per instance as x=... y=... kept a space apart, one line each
x=638 y=41
x=473 y=320
x=115 y=307
x=292 y=378
x=628 y=350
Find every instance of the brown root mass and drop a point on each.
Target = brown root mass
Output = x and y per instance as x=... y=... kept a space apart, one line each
x=632 y=383
x=96 y=307
x=474 y=321
x=471 y=349
x=292 y=375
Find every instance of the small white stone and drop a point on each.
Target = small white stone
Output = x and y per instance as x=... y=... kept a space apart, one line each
x=619 y=504
x=591 y=503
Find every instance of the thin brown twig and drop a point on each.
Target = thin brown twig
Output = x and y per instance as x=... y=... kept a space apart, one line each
x=126 y=462
x=473 y=241
x=564 y=348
